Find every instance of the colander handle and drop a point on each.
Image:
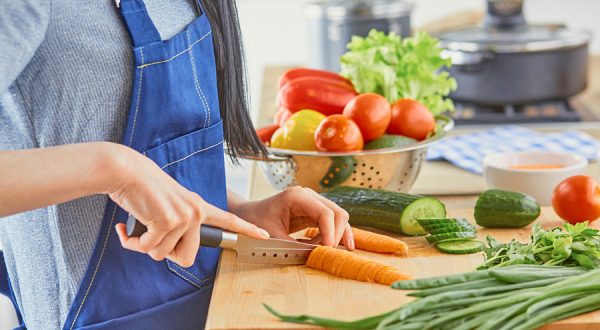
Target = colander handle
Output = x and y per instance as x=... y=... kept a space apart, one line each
x=265 y=158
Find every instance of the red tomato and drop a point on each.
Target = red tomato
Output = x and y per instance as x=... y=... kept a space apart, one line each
x=265 y=133
x=294 y=73
x=371 y=112
x=326 y=96
x=281 y=116
x=338 y=133
x=577 y=199
x=411 y=118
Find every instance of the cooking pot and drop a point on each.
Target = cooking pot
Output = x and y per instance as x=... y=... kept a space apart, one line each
x=332 y=23
x=507 y=61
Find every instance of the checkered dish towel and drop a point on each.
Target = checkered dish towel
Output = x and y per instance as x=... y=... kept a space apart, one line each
x=467 y=151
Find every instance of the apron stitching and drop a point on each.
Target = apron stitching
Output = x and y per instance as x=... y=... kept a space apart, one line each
x=190 y=155
x=97 y=267
x=137 y=102
x=197 y=84
x=191 y=274
x=176 y=55
x=183 y=277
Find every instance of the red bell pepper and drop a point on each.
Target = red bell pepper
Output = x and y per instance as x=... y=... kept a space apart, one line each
x=295 y=73
x=265 y=133
x=327 y=96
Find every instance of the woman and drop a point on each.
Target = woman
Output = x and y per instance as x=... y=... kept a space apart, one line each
x=71 y=89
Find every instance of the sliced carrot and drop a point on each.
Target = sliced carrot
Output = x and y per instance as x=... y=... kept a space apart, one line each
x=342 y=263
x=369 y=241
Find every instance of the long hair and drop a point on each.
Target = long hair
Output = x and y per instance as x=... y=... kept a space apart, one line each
x=231 y=79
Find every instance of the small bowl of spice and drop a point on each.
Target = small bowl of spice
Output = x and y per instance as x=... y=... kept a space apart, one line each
x=535 y=173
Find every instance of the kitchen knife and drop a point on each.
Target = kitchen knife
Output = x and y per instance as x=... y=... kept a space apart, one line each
x=249 y=250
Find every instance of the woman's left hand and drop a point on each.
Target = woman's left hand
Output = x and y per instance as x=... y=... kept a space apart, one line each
x=297 y=208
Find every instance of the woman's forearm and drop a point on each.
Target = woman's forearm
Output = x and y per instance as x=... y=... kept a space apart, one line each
x=35 y=178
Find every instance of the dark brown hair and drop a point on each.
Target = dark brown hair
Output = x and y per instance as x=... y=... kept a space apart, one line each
x=232 y=79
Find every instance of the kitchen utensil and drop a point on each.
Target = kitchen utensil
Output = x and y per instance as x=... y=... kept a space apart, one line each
x=507 y=61
x=388 y=168
x=249 y=250
x=539 y=183
x=332 y=23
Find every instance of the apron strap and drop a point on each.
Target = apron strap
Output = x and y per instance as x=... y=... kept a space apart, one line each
x=6 y=290
x=199 y=8
x=140 y=25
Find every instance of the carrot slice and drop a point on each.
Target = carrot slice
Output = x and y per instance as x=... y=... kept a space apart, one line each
x=342 y=263
x=369 y=241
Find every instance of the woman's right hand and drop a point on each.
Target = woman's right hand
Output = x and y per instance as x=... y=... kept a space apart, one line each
x=171 y=213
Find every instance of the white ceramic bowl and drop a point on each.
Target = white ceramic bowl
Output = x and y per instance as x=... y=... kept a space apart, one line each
x=539 y=183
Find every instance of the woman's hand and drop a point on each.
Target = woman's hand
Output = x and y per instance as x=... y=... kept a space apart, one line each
x=294 y=209
x=171 y=213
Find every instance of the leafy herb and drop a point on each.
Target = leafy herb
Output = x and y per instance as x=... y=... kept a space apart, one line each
x=400 y=68
x=569 y=245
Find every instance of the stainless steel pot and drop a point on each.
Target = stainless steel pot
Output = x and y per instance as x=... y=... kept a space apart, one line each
x=506 y=61
x=332 y=23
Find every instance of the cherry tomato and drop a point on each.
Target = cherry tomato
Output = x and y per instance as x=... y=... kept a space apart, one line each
x=371 y=112
x=411 y=118
x=294 y=73
x=281 y=116
x=265 y=133
x=338 y=133
x=577 y=199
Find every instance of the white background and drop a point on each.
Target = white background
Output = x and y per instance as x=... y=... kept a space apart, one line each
x=275 y=33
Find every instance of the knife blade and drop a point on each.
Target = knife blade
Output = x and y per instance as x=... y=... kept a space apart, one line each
x=248 y=249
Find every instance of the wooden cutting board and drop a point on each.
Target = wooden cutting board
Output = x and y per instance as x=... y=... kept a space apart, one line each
x=240 y=289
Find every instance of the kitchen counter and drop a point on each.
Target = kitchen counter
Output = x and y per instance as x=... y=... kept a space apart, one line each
x=240 y=289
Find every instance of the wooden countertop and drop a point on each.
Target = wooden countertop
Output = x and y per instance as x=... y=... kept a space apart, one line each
x=240 y=289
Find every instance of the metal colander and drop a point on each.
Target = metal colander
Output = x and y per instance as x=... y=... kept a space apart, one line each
x=394 y=169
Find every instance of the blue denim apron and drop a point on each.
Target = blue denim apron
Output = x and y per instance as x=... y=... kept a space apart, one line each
x=174 y=120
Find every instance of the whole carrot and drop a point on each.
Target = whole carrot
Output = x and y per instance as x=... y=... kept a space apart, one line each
x=344 y=264
x=369 y=241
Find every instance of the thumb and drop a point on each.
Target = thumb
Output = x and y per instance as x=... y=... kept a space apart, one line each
x=214 y=216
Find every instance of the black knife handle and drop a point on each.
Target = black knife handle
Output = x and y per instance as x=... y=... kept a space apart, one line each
x=209 y=236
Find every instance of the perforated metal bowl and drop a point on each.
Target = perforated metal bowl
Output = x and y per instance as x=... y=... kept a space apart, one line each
x=393 y=169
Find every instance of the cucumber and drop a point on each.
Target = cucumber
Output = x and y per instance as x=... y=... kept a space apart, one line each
x=390 y=141
x=449 y=223
x=449 y=229
x=456 y=236
x=392 y=211
x=339 y=171
x=460 y=247
x=505 y=209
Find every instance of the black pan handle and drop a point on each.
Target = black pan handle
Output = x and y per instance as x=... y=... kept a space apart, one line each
x=209 y=236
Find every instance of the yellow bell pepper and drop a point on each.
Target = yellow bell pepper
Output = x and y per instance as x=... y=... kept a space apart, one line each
x=298 y=131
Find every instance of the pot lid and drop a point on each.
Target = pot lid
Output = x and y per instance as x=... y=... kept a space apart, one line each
x=526 y=38
x=357 y=9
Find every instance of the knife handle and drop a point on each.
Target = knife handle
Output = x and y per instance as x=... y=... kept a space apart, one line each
x=209 y=236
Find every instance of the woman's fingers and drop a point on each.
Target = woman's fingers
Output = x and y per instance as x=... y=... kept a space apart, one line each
x=348 y=238
x=301 y=199
x=214 y=216
x=184 y=253
x=145 y=243
x=340 y=216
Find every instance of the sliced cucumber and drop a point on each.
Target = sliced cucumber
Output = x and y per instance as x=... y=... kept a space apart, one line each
x=433 y=224
x=449 y=229
x=460 y=235
x=460 y=247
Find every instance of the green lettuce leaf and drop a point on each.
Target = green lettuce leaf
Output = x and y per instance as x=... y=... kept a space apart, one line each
x=399 y=68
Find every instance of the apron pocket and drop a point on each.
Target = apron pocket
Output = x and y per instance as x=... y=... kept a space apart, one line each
x=190 y=310
x=196 y=161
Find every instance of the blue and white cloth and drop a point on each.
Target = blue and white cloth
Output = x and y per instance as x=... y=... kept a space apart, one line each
x=467 y=151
